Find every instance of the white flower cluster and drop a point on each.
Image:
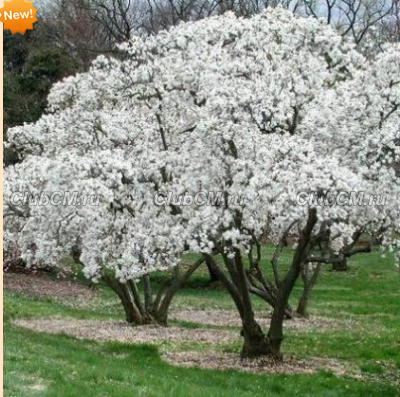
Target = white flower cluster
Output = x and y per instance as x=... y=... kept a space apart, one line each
x=262 y=108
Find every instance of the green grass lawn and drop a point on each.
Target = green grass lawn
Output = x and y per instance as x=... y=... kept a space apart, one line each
x=39 y=364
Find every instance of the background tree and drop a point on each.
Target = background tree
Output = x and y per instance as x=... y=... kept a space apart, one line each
x=32 y=63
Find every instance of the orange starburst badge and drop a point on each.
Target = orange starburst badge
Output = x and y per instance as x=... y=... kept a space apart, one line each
x=18 y=15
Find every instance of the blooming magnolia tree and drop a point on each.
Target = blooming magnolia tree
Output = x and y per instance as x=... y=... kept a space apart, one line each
x=46 y=233
x=262 y=108
x=366 y=128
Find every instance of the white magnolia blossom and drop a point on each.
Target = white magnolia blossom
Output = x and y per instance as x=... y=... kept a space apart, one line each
x=263 y=108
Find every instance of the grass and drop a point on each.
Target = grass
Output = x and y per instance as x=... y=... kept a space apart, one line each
x=39 y=364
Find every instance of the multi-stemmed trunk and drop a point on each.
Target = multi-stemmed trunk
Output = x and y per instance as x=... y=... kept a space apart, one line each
x=275 y=333
x=144 y=307
x=235 y=280
x=259 y=285
x=255 y=342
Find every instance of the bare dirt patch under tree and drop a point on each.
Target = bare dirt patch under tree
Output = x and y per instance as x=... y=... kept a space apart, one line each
x=226 y=361
x=229 y=318
x=125 y=333
x=44 y=286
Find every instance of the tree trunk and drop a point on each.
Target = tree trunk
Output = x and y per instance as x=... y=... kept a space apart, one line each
x=275 y=333
x=255 y=342
x=211 y=272
x=132 y=313
x=310 y=278
x=163 y=304
x=305 y=294
x=302 y=305
x=340 y=264
x=135 y=317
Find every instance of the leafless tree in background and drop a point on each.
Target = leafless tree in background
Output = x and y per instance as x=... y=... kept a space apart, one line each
x=90 y=27
x=356 y=18
x=390 y=26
